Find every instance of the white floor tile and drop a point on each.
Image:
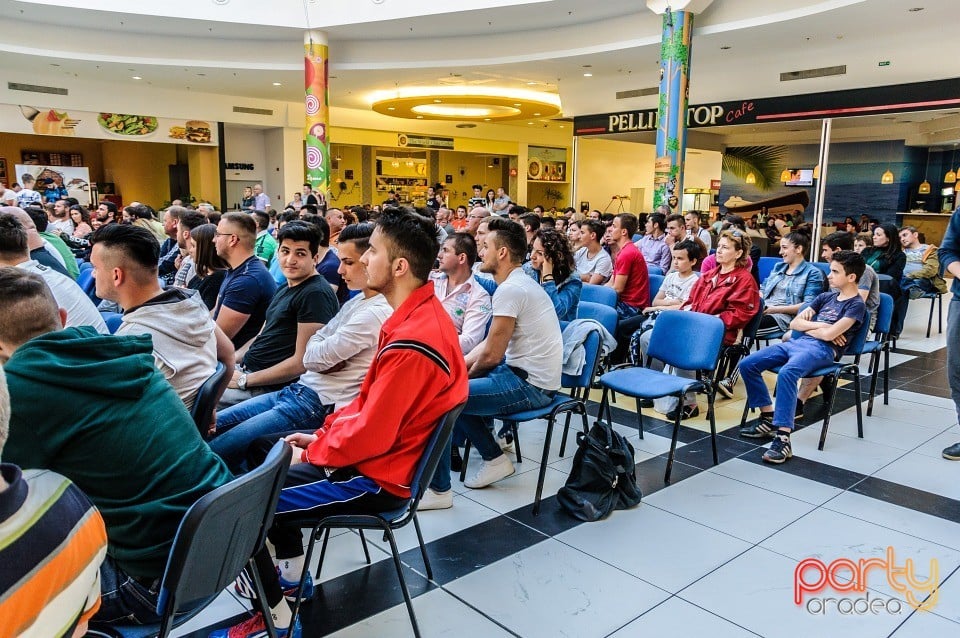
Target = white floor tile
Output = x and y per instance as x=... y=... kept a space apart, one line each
x=939 y=476
x=747 y=512
x=935 y=446
x=517 y=490
x=438 y=523
x=918 y=409
x=925 y=526
x=438 y=614
x=921 y=625
x=923 y=399
x=552 y=590
x=858 y=455
x=657 y=546
x=877 y=429
x=948 y=604
x=774 y=480
x=344 y=554
x=755 y=591
x=676 y=617
x=223 y=607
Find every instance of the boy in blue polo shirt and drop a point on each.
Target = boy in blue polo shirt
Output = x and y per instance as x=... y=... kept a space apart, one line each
x=826 y=327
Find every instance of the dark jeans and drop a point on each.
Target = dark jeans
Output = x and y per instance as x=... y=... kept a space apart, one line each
x=953 y=350
x=901 y=304
x=125 y=600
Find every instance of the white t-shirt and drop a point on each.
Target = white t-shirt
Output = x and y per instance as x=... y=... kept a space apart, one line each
x=69 y=296
x=60 y=226
x=536 y=345
x=676 y=289
x=600 y=263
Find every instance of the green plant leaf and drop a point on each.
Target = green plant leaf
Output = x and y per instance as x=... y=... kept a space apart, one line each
x=765 y=162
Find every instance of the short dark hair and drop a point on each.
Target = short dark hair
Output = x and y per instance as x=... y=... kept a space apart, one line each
x=735 y=220
x=676 y=217
x=261 y=219
x=629 y=222
x=693 y=249
x=134 y=242
x=140 y=212
x=358 y=235
x=13 y=236
x=39 y=217
x=464 y=244
x=321 y=223
x=840 y=240
x=27 y=306
x=244 y=223
x=111 y=207
x=851 y=261
x=192 y=219
x=411 y=236
x=658 y=219
x=550 y=222
x=300 y=231
x=510 y=234
x=594 y=226
x=800 y=240
x=530 y=219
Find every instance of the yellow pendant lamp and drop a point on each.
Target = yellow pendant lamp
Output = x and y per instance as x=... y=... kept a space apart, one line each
x=951 y=175
x=751 y=178
x=785 y=175
x=887 y=177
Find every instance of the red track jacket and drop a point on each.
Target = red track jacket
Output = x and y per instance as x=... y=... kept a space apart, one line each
x=732 y=297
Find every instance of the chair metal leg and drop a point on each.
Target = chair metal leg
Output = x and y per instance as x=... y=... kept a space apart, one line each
x=743 y=417
x=306 y=569
x=940 y=314
x=856 y=398
x=516 y=441
x=639 y=418
x=933 y=305
x=363 y=541
x=566 y=430
x=323 y=548
x=826 y=419
x=673 y=439
x=261 y=596
x=403 y=581
x=604 y=397
x=543 y=465
x=711 y=400
x=466 y=458
x=423 y=548
x=874 y=374
x=886 y=374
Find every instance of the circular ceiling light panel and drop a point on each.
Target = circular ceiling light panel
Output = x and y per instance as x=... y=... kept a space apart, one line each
x=465 y=103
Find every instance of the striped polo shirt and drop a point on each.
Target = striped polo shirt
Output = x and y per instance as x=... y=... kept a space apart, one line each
x=52 y=541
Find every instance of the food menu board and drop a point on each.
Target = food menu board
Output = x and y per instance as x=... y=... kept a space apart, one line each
x=545 y=164
x=42 y=120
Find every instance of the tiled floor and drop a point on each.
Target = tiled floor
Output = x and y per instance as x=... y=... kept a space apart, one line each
x=712 y=554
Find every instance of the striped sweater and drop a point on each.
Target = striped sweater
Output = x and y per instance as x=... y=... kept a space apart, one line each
x=52 y=541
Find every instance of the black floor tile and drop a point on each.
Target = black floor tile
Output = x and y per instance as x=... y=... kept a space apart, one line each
x=650 y=474
x=911 y=498
x=552 y=519
x=943 y=392
x=813 y=470
x=700 y=453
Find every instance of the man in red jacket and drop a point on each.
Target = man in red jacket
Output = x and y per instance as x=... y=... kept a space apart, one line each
x=363 y=458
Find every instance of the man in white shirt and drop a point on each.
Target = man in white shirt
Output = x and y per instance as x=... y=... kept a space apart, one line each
x=14 y=252
x=261 y=201
x=694 y=229
x=464 y=299
x=592 y=261
x=27 y=196
x=517 y=367
x=59 y=219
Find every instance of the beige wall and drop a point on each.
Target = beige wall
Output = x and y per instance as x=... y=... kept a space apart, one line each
x=606 y=168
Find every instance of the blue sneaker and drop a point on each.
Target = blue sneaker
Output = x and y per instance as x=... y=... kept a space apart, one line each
x=256 y=627
x=244 y=587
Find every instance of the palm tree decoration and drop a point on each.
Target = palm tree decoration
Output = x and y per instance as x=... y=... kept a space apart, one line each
x=764 y=162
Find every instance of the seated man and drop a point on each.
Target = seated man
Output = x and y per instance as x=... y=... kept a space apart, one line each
x=335 y=359
x=52 y=541
x=187 y=269
x=653 y=245
x=462 y=296
x=170 y=249
x=630 y=280
x=265 y=247
x=591 y=260
x=827 y=325
x=116 y=428
x=14 y=251
x=517 y=367
x=186 y=342
x=41 y=250
x=921 y=274
x=295 y=313
x=363 y=458
x=248 y=287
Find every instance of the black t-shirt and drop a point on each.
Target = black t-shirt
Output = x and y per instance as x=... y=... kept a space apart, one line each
x=208 y=287
x=312 y=301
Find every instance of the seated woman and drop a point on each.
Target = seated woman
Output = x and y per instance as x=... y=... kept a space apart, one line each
x=887 y=258
x=728 y=291
x=792 y=283
x=210 y=268
x=81 y=221
x=551 y=264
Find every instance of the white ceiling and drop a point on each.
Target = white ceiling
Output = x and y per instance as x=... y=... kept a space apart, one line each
x=543 y=45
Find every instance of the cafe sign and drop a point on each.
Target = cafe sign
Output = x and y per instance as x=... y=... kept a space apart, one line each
x=408 y=140
x=918 y=96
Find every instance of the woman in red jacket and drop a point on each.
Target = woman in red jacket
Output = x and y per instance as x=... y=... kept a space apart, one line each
x=728 y=291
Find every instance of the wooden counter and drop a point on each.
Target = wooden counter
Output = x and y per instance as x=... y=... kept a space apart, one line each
x=932 y=225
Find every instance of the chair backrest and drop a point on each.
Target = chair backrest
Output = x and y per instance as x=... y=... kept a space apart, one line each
x=749 y=334
x=654 y=269
x=859 y=339
x=655 y=282
x=220 y=533
x=84 y=265
x=427 y=465
x=87 y=283
x=884 y=315
x=113 y=320
x=599 y=294
x=765 y=267
x=606 y=316
x=592 y=346
x=687 y=340
x=825 y=267
x=206 y=400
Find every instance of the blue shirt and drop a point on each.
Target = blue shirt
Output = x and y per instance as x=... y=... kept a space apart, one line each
x=247 y=289
x=950 y=248
x=829 y=309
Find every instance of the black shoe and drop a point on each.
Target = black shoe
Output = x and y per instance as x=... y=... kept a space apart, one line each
x=780 y=450
x=799 y=413
x=456 y=461
x=762 y=429
x=952 y=453
x=725 y=387
x=645 y=403
x=688 y=412
x=827 y=388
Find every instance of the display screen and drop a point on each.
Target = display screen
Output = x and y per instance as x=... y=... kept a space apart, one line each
x=800 y=177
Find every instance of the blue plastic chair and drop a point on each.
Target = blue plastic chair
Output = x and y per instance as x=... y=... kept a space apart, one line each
x=654 y=270
x=765 y=267
x=825 y=267
x=655 y=282
x=832 y=373
x=574 y=403
x=673 y=333
x=599 y=294
x=604 y=315
x=84 y=265
x=113 y=320
x=88 y=284
x=880 y=343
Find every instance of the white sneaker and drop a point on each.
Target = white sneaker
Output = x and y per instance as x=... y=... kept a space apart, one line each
x=435 y=500
x=490 y=472
x=506 y=442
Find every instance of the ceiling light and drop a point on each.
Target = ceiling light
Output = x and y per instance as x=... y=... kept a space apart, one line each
x=785 y=175
x=438 y=101
x=486 y=119
x=587 y=66
x=391 y=108
x=951 y=176
x=419 y=117
x=465 y=102
x=395 y=163
x=517 y=104
x=136 y=77
x=536 y=115
x=463 y=110
x=529 y=122
x=725 y=47
x=588 y=75
x=532 y=83
x=277 y=84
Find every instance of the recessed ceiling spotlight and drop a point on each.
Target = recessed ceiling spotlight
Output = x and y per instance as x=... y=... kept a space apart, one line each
x=437 y=101
x=532 y=83
x=725 y=47
x=277 y=84
x=391 y=108
x=54 y=64
x=529 y=122
x=467 y=125
x=486 y=119
x=419 y=117
x=561 y=126
x=915 y=9
x=588 y=75
x=516 y=104
x=137 y=77
x=536 y=115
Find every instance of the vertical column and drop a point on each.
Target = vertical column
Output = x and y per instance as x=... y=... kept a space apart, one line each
x=672 y=112
x=317 y=102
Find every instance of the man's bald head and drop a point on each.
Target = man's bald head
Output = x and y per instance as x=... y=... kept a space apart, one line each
x=474 y=217
x=21 y=216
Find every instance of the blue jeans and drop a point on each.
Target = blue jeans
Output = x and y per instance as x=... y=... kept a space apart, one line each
x=798 y=358
x=296 y=407
x=500 y=393
x=953 y=350
x=123 y=599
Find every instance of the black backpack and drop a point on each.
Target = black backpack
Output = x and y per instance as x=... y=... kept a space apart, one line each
x=602 y=478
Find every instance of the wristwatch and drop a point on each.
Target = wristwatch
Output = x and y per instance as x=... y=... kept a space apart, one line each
x=242 y=381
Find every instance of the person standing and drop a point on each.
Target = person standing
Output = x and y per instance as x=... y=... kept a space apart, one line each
x=261 y=201
x=949 y=254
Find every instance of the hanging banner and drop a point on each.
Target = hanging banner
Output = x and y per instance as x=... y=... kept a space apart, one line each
x=317 y=103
